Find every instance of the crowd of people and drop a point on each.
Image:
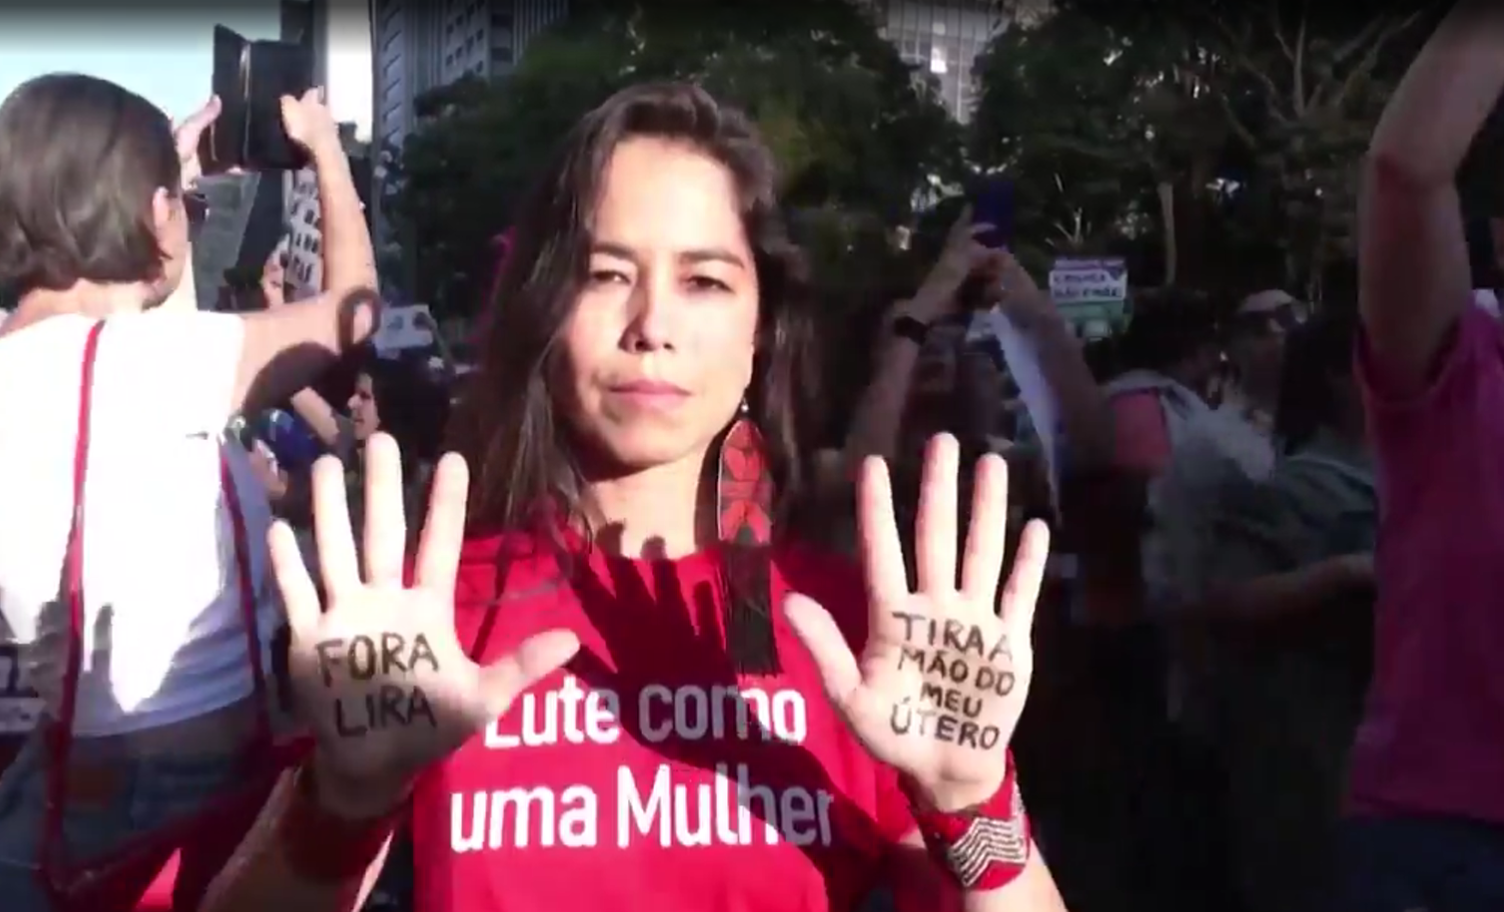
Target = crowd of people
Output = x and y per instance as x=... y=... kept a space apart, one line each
x=606 y=627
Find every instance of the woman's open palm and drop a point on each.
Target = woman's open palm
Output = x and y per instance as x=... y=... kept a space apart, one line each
x=941 y=682
x=379 y=672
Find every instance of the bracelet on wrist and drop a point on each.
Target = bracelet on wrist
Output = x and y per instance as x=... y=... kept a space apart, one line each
x=322 y=846
x=983 y=847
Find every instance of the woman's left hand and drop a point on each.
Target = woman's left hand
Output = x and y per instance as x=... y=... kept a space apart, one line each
x=1018 y=295
x=941 y=682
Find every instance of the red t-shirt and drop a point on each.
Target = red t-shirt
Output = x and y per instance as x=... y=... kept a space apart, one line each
x=646 y=775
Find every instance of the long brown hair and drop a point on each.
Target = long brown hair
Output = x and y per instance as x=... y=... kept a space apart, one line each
x=509 y=424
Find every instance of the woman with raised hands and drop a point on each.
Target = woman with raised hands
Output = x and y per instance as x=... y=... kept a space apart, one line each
x=614 y=679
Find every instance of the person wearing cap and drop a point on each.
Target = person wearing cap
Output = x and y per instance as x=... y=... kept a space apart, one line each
x=1290 y=631
x=1255 y=345
x=1222 y=448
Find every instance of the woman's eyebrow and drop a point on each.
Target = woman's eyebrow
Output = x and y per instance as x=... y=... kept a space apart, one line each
x=693 y=255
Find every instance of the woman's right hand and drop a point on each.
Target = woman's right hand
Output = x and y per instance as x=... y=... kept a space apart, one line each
x=961 y=257
x=309 y=122
x=379 y=673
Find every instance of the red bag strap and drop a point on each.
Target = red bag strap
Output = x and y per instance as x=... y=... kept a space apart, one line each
x=72 y=587
x=59 y=733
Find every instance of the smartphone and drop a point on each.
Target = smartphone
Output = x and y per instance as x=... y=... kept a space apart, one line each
x=992 y=204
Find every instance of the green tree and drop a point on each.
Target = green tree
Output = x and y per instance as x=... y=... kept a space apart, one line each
x=1054 y=113
x=458 y=179
x=1228 y=134
x=854 y=133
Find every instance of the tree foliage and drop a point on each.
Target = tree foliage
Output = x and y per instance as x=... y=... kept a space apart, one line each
x=1217 y=143
x=855 y=135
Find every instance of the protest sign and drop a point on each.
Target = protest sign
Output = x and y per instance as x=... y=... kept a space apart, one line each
x=1090 y=288
x=404 y=328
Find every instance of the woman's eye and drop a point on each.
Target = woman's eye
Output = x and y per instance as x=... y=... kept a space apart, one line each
x=607 y=276
x=708 y=283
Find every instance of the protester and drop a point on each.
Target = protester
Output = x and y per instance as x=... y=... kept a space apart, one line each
x=1213 y=451
x=398 y=398
x=707 y=767
x=1293 y=620
x=922 y=355
x=390 y=394
x=1426 y=805
x=1255 y=347
x=141 y=651
x=290 y=443
x=905 y=386
x=1170 y=356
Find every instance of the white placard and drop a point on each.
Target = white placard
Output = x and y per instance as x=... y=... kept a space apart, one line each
x=1096 y=285
x=403 y=328
x=1022 y=357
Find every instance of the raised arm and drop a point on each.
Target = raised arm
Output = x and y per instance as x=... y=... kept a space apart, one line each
x=321 y=839
x=1413 y=267
x=286 y=347
x=875 y=426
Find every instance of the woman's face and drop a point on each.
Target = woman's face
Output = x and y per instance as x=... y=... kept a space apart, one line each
x=363 y=415
x=171 y=218
x=658 y=351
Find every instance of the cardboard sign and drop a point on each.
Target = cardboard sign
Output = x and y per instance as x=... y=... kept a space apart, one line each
x=404 y=328
x=1090 y=288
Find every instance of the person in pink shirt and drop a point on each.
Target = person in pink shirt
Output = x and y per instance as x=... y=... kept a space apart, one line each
x=1426 y=827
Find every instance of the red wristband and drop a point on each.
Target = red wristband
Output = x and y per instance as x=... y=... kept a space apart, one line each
x=323 y=847
x=984 y=847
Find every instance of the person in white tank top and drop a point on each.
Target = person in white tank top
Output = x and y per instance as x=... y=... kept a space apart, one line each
x=94 y=226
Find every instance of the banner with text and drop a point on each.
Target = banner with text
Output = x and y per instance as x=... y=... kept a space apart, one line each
x=1090 y=289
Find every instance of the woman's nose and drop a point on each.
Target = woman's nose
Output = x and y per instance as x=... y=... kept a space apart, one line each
x=655 y=305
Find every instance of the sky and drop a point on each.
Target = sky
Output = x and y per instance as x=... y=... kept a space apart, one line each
x=161 y=53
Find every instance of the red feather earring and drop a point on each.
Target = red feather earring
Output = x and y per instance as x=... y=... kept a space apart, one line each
x=744 y=511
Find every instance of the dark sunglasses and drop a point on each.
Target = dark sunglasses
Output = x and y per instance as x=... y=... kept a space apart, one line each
x=1283 y=318
x=197 y=207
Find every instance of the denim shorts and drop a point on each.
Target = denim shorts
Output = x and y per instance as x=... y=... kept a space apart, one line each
x=1422 y=864
x=150 y=793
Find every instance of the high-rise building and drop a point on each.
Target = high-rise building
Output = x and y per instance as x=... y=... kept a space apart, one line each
x=421 y=45
x=338 y=32
x=943 y=39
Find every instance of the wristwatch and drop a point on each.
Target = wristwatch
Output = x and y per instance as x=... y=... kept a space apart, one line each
x=911 y=328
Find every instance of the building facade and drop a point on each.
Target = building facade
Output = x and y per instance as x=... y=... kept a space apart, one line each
x=338 y=33
x=421 y=45
x=943 y=40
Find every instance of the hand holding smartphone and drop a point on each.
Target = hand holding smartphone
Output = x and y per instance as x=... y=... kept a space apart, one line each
x=992 y=204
